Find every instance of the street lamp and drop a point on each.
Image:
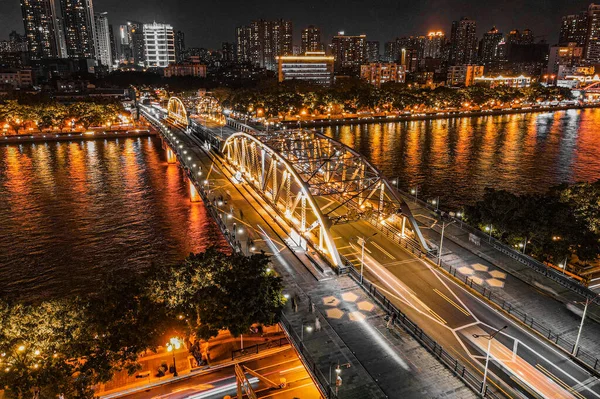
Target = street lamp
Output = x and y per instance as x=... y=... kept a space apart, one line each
x=444 y=224
x=587 y=302
x=415 y=192
x=489 y=337
x=362 y=241
x=308 y=329
x=436 y=202
x=174 y=344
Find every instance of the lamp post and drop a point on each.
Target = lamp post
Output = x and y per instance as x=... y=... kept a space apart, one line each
x=444 y=224
x=362 y=241
x=308 y=329
x=174 y=344
x=436 y=202
x=415 y=192
x=587 y=302
x=489 y=337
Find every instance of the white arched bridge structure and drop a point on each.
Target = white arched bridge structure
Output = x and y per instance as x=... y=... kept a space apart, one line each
x=316 y=184
x=177 y=113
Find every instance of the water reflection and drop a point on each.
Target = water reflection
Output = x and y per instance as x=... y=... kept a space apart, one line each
x=457 y=158
x=72 y=211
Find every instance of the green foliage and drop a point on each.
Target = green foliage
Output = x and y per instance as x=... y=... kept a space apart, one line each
x=565 y=221
x=352 y=95
x=69 y=345
x=216 y=291
x=52 y=114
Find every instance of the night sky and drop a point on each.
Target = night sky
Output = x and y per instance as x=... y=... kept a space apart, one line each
x=208 y=23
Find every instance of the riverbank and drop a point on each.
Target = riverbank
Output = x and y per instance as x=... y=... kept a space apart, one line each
x=94 y=135
x=429 y=116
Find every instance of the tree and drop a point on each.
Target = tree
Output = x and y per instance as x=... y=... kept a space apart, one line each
x=15 y=114
x=215 y=291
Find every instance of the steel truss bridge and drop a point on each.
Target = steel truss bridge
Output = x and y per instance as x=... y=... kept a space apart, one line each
x=315 y=183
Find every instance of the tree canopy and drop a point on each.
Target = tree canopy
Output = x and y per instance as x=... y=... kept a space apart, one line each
x=68 y=345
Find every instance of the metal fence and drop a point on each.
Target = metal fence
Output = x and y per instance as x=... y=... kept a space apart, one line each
x=253 y=349
x=528 y=261
x=326 y=387
x=459 y=369
x=553 y=336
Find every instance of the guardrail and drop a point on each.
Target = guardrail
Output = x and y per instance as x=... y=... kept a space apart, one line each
x=277 y=343
x=454 y=365
x=526 y=260
x=323 y=383
x=588 y=359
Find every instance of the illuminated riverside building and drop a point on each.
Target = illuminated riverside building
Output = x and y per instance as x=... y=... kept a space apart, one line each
x=311 y=40
x=263 y=41
x=463 y=42
x=378 y=73
x=314 y=67
x=510 y=81
x=41 y=28
x=159 y=44
x=463 y=75
x=349 y=51
x=79 y=28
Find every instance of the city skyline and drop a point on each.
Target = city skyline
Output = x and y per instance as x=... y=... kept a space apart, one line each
x=382 y=22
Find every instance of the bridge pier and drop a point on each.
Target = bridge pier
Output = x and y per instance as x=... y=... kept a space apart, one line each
x=194 y=196
x=171 y=158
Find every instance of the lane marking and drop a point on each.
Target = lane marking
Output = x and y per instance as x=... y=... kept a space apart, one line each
x=559 y=381
x=437 y=316
x=451 y=302
x=386 y=253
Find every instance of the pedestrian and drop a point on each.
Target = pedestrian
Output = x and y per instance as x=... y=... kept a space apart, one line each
x=311 y=306
x=391 y=320
x=317 y=324
x=294 y=306
x=241 y=215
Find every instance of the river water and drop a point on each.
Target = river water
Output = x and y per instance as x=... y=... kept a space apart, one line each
x=72 y=211
x=456 y=159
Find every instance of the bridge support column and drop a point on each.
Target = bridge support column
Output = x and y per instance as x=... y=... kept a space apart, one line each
x=403 y=225
x=171 y=158
x=194 y=196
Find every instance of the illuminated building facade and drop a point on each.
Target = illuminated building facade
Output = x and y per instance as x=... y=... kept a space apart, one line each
x=313 y=67
x=159 y=44
x=103 y=45
x=311 y=40
x=463 y=42
x=489 y=46
x=463 y=75
x=511 y=81
x=378 y=73
x=41 y=28
x=79 y=28
x=349 y=52
x=434 y=45
x=263 y=41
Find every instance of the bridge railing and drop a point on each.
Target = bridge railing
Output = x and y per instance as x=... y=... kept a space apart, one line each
x=526 y=260
x=474 y=381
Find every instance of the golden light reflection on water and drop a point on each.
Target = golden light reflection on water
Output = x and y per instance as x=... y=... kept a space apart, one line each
x=73 y=211
x=457 y=158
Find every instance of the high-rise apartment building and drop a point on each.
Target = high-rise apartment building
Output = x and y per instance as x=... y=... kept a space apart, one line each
x=311 y=40
x=159 y=45
x=113 y=44
x=228 y=51
x=573 y=29
x=132 y=43
x=103 y=46
x=434 y=45
x=463 y=75
x=592 y=43
x=243 y=44
x=179 y=46
x=263 y=41
x=40 y=20
x=562 y=58
x=79 y=28
x=373 y=51
x=390 y=52
x=349 y=52
x=489 y=50
x=463 y=42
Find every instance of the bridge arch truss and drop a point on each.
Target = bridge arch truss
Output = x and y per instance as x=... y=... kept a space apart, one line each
x=177 y=112
x=316 y=183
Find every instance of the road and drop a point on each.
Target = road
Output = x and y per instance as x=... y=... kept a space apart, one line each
x=219 y=383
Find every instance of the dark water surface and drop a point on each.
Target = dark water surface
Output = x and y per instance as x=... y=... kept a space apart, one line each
x=456 y=159
x=72 y=211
